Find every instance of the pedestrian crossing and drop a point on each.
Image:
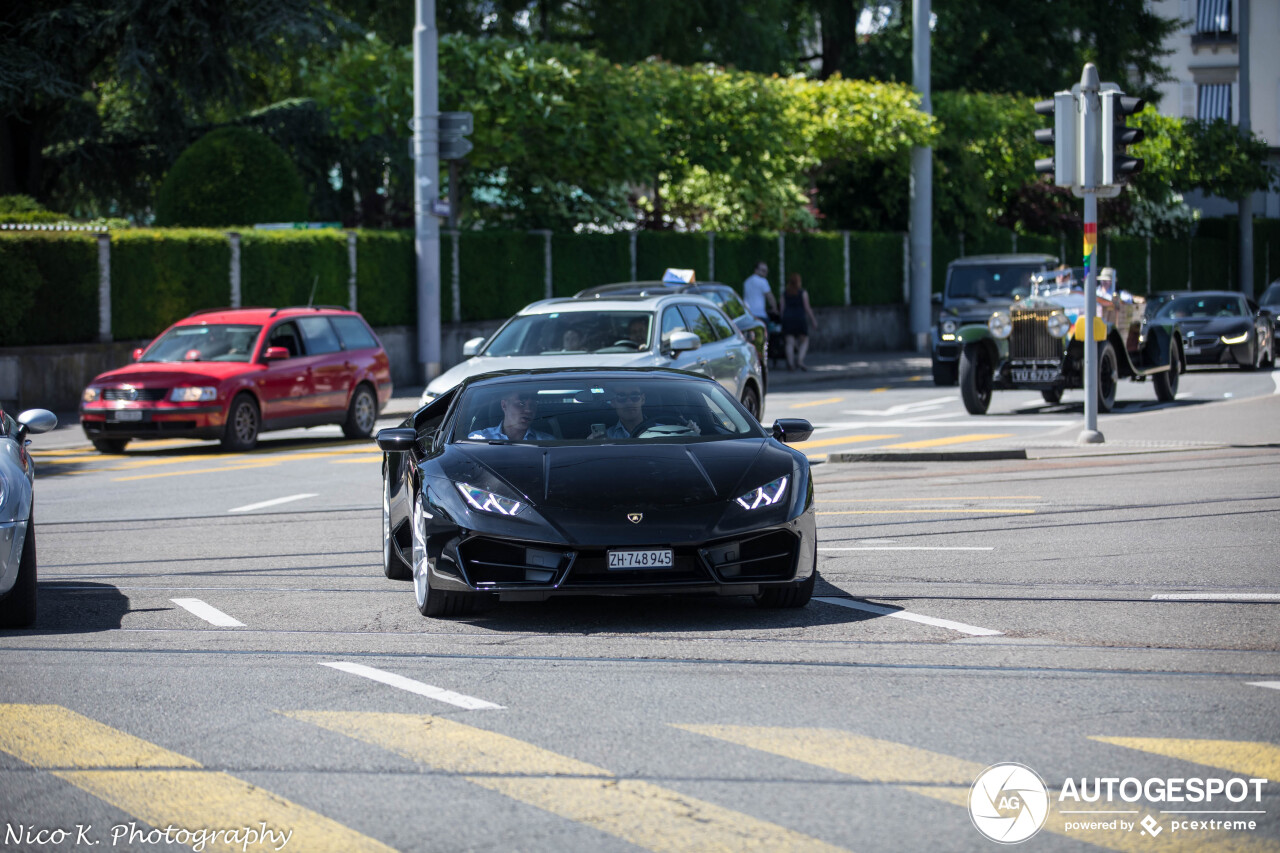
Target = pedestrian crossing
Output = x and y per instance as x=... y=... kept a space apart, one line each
x=162 y=788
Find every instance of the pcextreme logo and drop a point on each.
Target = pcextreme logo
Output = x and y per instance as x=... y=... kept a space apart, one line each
x=1008 y=803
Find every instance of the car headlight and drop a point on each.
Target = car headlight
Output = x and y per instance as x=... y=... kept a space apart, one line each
x=488 y=501
x=1239 y=339
x=90 y=395
x=949 y=327
x=1059 y=325
x=1000 y=325
x=766 y=495
x=193 y=394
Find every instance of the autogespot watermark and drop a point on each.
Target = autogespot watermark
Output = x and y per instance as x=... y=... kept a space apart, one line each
x=1010 y=803
x=133 y=836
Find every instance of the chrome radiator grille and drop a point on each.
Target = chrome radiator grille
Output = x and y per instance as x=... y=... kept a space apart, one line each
x=143 y=394
x=1031 y=339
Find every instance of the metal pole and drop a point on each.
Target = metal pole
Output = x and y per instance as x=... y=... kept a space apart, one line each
x=1246 y=203
x=921 y=188
x=426 y=170
x=1092 y=106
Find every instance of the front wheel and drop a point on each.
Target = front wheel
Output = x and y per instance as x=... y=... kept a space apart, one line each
x=434 y=602
x=1108 y=377
x=393 y=566
x=1167 y=383
x=795 y=595
x=751 y=401
x=18 y=610
x=975 y=378
x=361 y=414
x=243 y=424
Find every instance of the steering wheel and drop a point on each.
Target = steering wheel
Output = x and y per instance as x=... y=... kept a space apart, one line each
x=646 y=423
x=626 y=342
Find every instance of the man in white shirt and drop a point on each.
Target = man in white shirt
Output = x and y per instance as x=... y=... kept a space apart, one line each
x=757 y=294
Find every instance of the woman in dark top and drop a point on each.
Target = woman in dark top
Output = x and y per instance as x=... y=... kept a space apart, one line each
x=797 y=320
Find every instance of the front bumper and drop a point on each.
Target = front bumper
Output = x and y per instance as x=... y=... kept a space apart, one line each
x=1216 y=352
x=153 y=421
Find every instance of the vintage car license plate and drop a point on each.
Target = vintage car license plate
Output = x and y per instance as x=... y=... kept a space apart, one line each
x=125 y=415
x=1036 y=374
x=1191 y=351
x=636 y=558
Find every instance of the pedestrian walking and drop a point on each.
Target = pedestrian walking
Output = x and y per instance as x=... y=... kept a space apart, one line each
x=757 y=294
x=797 y=320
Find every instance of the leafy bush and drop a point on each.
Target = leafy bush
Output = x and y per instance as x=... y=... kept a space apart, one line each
x=231 y=177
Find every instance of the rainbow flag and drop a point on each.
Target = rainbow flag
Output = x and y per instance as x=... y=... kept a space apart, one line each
x=1090 y=244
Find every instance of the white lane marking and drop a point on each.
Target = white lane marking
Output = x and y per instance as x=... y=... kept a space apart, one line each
x=470 y=703
x=904 y=408
x=992 y=421
x=912 y=617
x=208 y=612
x=913 y=548
x=1217 y=596
x=1274 y=685
x=273 y=502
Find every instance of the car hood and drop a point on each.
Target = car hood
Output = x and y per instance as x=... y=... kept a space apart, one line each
x=487 y=363
x=156 y=374
x=682 y=491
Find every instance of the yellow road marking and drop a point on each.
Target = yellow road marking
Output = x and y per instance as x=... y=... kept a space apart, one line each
x=1251 y=758
x=848 y=439
x=943 y=777
x=879 y=390
x=817 y=403
x=124 y=771
x=264 y=463
x=923 y=509
x=942 y=442
x=641 y=813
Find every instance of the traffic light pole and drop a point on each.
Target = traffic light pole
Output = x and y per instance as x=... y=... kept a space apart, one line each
x=426 y=185
x=1091 y=109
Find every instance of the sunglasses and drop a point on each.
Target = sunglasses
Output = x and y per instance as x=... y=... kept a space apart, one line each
x=523 y=402
x=629 y=396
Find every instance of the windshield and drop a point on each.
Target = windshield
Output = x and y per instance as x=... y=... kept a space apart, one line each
x=1202 y=306
x=1272 y=295
x=626 y=409
x=990 y=281
x=223 y=342
x=579 y=332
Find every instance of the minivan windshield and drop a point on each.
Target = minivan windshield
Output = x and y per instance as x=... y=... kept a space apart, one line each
x=205 y=342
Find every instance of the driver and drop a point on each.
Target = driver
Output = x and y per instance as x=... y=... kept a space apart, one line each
x=638 y=332
x=519 y=408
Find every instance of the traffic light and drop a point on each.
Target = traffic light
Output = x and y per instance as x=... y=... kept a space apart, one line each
x=1063 y=136
x=1117 y=165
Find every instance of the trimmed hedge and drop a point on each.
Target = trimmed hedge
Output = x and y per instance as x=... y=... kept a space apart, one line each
x=48 y=288
x=875 y=268
x=386 y=283
x=579 y=261
x=500 y=272
x=159 y=276
x=658 y=251
x=738 y=254
x=280 y=268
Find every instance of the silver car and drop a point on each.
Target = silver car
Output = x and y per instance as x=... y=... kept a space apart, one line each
x=683 y=331
x=17 y=516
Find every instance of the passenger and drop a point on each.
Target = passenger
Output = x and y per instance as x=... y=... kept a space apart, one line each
x=519 y=408
x=572 y=340
x=628 y=405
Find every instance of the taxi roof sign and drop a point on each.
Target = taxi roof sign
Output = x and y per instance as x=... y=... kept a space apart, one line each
x=675 y=276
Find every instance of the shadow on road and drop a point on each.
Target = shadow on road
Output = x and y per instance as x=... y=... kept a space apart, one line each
x=76 y=608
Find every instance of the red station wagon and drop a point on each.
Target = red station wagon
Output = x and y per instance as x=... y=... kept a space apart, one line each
x=231 y=373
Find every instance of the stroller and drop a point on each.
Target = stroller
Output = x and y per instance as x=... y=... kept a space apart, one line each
x=777 y=341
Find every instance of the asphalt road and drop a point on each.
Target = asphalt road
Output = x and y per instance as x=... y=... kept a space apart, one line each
x=217 y=650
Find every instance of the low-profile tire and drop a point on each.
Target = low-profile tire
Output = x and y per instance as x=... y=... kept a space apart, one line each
x=945 y=373
x=243 y=424
x=975 y=378
x=110 y=445
x=18 y=609
x=751 y=401
x=393 y=566
x=434 y=602
x=1052 y=396
x=1167 y=383
x=1108 y=377
x=362 y=414
x=793 y=595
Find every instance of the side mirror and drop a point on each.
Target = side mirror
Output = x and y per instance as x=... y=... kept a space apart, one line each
x=35 y=421
x=396 y=439
x=788 y=430
x=275 y=354
x=137 y=354
x=678 y=342
x=472 y=347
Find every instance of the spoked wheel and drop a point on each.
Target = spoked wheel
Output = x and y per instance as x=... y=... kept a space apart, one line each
x=1167 y=383
x=975 y=379
x=751 y=402
x=242 y=424
x=435 y=602
x=362 y=414
x=796 y=595
x=392 y=565
x=1108 y=377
